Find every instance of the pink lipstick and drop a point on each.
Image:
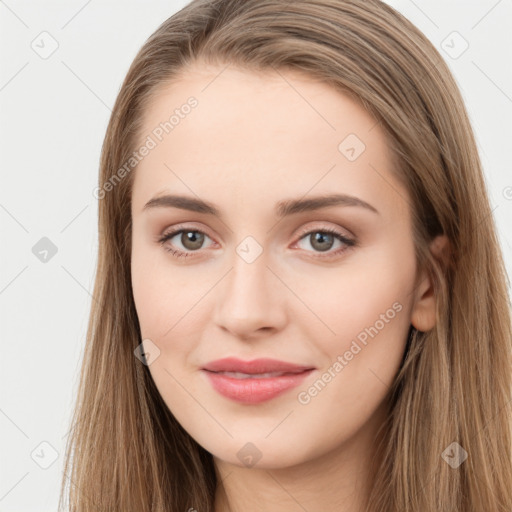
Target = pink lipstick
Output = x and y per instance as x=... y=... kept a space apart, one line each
x=253 y=382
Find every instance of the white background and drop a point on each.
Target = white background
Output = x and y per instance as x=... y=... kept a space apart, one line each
x=54 y=113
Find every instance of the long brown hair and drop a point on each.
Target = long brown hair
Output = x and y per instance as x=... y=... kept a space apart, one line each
x=126 y=451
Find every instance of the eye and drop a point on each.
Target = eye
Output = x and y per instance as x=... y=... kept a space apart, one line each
x=190 y=239
x=322 y=240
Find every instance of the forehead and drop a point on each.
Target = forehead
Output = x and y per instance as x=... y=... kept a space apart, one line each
x=282 y=99
x=261 y=133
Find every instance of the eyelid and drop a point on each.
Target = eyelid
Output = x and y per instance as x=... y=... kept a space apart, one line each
x=169 y=233
x=175 y=229
x=348 y=240
x=300 y=234
x=322 y=227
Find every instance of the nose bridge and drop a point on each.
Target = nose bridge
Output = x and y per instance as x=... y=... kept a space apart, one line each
x=249 y=276
x=250 y=297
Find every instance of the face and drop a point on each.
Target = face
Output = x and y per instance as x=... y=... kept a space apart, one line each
x=248 y=262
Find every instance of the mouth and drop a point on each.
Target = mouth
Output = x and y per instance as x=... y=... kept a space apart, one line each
x=248 y=386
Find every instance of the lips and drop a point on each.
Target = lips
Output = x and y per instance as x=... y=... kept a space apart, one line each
x=252 y=382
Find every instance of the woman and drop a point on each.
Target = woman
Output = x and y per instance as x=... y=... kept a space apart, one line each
x=301 y=302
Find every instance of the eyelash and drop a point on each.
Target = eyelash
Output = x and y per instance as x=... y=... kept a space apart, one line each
x=349 y=243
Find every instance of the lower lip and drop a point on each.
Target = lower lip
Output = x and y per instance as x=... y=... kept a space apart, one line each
x=254 y=391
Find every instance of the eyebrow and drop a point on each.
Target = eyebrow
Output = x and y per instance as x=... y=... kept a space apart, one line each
x=282 y=208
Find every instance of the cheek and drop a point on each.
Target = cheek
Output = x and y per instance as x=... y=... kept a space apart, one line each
x=164 y=299
x=163 y=294
x=369 y=314
x=170 y=304
x=147 y=292
x=369 y=292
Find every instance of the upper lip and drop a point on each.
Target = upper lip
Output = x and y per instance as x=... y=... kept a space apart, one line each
x=263 y=365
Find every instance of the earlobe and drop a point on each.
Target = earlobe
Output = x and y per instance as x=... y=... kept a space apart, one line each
x=423 y=315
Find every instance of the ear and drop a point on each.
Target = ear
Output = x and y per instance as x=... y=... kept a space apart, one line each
x=423 y=315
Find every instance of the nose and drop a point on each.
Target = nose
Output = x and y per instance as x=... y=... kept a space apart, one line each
x=251 y=300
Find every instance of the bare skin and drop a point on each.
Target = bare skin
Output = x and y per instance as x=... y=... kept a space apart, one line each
x=254 y=140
